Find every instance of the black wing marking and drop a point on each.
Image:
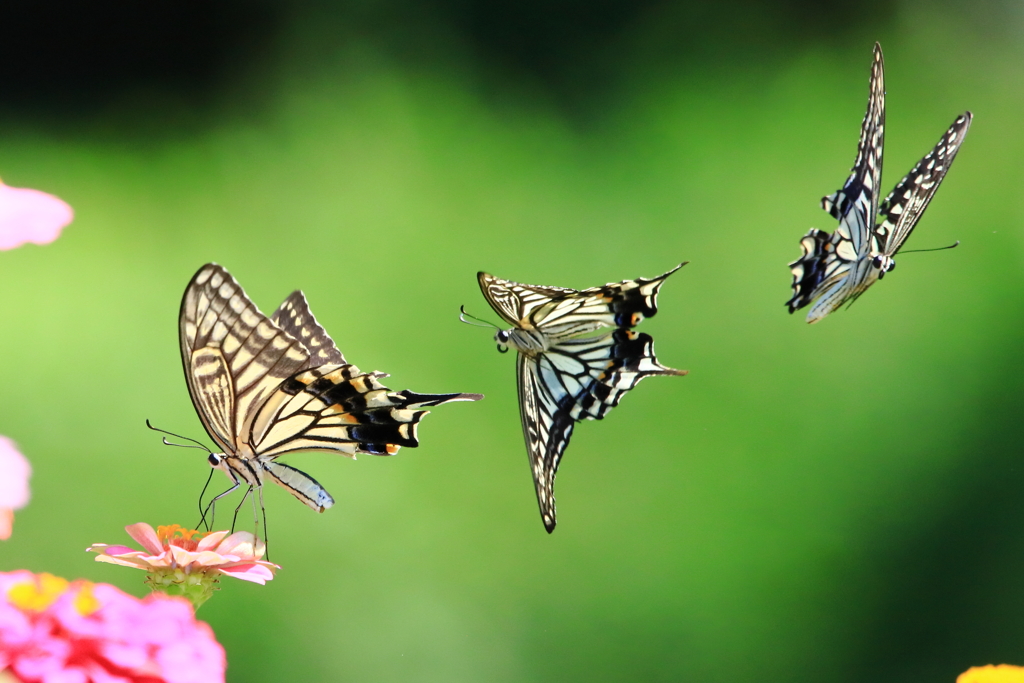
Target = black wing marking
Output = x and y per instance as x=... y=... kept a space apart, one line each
x=565 y=313
x=574 y=380
x=856 y=204
x=828 y=257
x=809 y=271
x=294 y=317
x=905 y=205
x=234 y=357
x=620 y=304
x=338 y=408
x=546 y=429
x=830 y=264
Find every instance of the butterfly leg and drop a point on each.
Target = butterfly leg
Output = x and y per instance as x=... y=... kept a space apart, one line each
x=256 y=515
x=266 y=537
x=211 y=506
x=202 y=511
x=240 y=504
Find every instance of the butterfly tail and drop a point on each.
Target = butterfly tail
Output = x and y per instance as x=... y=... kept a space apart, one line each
x=413 y=400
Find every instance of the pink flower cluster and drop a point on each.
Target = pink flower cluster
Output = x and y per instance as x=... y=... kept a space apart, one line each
x=54 y=631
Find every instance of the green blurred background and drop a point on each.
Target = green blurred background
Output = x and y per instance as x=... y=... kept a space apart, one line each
x=839 y=502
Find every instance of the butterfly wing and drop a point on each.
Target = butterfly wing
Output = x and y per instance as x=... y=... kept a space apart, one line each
x=234 y=357
x=574 y=380
x=564 y=313
x=829 y=266
x=514 y=301
x=905 y=205
x=294 y=317
x=546 y=429
x=338 y=408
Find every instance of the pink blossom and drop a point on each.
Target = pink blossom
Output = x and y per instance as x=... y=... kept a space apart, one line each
x=174 y=547
x=80 y=632
x=187 y=562
x=14 y=474
x=30 y=216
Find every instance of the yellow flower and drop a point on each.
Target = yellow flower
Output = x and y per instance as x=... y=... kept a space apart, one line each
x=1003 y=673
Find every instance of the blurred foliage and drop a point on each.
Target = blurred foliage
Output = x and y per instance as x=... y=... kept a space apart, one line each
x=835 y=502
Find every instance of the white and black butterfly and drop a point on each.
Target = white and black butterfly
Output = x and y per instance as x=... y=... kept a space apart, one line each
x=566 y=374
x=264 y=387
x=838 y=267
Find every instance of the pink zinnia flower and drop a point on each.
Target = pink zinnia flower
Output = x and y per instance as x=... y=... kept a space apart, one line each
x=30 y=216
x=1003 y=673
x=81 y=632
x=187 y=562
x=14 y=474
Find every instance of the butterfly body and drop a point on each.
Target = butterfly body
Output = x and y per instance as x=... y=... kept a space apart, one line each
x=838 y=267
x=577 y=357
x=265 y=387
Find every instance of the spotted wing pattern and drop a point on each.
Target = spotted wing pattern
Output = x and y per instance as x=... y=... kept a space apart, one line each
x=576 y=377
x=828 y=258
x=264 y=387
x=902 y=209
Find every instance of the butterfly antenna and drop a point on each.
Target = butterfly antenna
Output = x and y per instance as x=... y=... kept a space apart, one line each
x=479 y=322
x=198 y=444
x=955 y=244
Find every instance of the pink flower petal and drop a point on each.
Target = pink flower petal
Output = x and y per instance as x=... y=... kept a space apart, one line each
x=14 y=474
x=125 y=561
x=211 y=540
x=241 y=543
x=111 y=549
x=30 y=216
x=184 y=558
x=255 y=573
x=145 y=536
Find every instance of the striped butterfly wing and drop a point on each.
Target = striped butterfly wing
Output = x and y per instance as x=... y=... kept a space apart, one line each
x=234 y=357
x=561 y=313
x=334 y=406
x=576 y=379
x=829 y=258
x=516 y=302
x=265 y=387
x=341 y=409
x=905 y=205
x=294 y=317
